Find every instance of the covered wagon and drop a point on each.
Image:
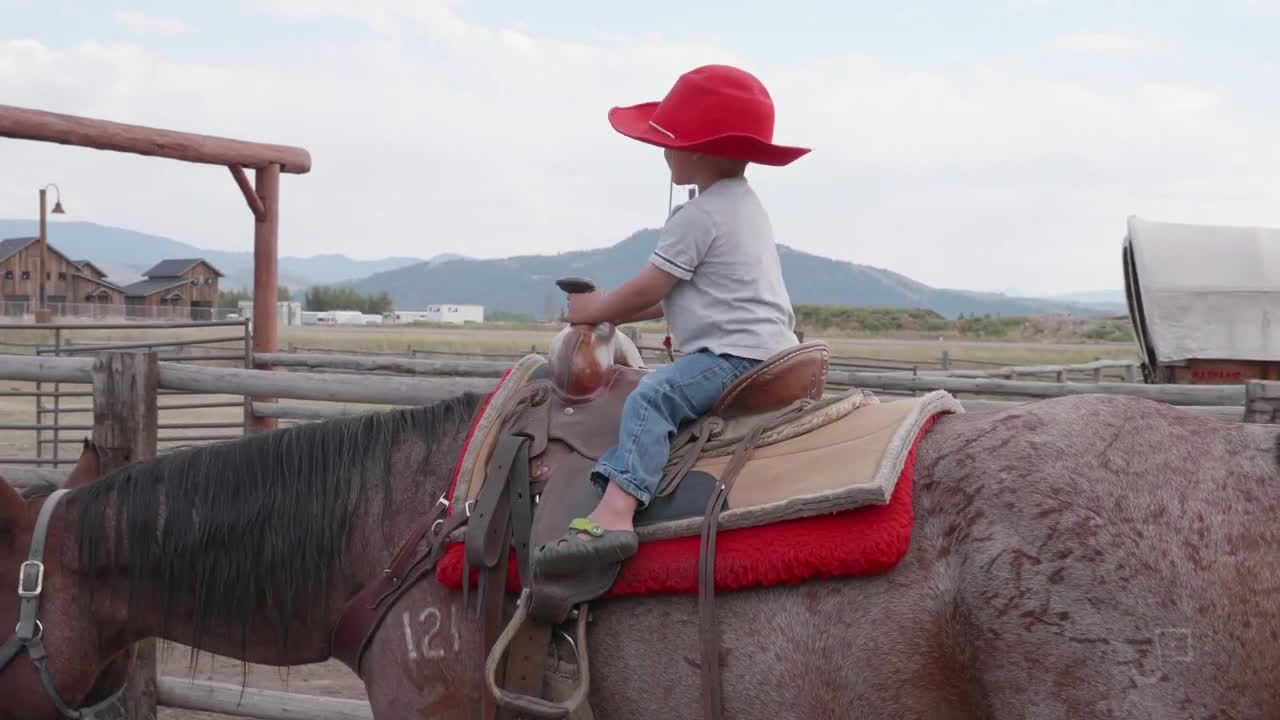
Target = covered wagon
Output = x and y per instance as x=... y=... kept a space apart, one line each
x=1204 y=300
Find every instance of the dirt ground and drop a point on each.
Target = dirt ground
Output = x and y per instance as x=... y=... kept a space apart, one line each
x=328 y=679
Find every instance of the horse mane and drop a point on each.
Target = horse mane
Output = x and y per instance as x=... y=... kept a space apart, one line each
x=224 y=530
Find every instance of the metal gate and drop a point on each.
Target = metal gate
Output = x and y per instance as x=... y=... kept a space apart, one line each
x=49 y=431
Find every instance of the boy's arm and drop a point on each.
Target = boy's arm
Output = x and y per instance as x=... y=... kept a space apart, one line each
x=635 y=300
x=652 y=313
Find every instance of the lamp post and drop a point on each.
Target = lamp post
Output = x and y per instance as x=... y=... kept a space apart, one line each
x=42 y=310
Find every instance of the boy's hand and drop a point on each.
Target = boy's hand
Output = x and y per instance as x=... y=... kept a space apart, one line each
x=584 y=308
x=636 y=297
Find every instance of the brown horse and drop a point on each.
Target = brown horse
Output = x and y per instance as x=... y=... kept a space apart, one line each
x=1089 y=556
x=103 y=696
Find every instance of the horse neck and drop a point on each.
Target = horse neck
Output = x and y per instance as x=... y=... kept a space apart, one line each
x=388 y=511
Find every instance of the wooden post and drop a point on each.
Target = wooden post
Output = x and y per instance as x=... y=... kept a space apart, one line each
x=42 y=310
x=248 y=365
x=124 y=429
x=1262 y=401
x=945 y=363
x=265 y=281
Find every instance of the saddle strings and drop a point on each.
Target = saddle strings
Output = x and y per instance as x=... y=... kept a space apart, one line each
x=666 y=341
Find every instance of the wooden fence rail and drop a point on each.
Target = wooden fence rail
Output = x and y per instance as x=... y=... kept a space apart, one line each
x=377 y=389
x=1095 y=369
x=389 y=363
x=295 y=411
x=480 y=376
x=944 y=363
x=253 y=703
x=1171 y=394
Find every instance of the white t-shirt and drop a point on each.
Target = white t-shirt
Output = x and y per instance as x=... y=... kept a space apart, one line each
x=730 y=298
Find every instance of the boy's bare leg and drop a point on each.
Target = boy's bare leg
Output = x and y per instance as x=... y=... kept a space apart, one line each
x=616 y=510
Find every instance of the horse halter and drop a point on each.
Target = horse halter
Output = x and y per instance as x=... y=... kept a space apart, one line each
x=29 y=633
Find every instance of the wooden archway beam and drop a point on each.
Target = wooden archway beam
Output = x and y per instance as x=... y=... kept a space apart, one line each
x=40 y=125
x=263 y=196
x=250 y=195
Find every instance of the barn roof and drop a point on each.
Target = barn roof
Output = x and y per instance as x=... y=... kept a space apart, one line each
x=89 y=264
x=103 y=282
x=147 y=287
x=175 y=267
x=1203 y=291
x=10 y=246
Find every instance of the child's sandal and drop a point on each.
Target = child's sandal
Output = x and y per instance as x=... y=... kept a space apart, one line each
x=572 y=554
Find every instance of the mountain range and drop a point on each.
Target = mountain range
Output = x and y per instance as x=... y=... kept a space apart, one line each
x=525 y=284
x=125 y=254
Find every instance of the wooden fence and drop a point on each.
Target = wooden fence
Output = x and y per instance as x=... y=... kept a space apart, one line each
x=1222 y=400
x=62 y=409
x=125 y=425
x=945 y=364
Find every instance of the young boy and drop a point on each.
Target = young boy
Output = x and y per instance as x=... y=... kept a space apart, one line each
x=714 y=274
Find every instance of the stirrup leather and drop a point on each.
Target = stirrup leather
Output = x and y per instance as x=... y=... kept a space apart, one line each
x=535 y=706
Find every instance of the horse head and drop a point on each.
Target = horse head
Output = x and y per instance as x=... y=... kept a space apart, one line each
x=49 y=614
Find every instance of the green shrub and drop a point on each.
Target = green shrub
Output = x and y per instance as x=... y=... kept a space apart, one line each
x=1111 y=332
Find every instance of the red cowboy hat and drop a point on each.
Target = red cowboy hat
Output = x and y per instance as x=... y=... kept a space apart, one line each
x=716 y=109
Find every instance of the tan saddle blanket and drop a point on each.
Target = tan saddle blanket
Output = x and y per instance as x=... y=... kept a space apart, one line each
x=828 y=456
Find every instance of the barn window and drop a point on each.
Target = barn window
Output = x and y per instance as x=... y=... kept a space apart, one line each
x=26 y=274
x=8 y=274
x=62 y=276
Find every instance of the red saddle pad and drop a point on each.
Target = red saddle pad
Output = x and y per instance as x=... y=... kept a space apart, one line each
x=862 y=541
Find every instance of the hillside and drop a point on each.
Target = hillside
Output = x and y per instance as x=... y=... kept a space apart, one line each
x=525 y=284
x=125 y=254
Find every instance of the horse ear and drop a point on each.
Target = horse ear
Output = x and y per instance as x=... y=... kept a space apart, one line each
x=11 y=505
x=87 y=468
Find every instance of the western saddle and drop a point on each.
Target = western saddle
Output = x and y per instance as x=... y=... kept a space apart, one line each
x=550 y=433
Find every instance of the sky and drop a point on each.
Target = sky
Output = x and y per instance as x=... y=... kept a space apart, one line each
x=990 y=145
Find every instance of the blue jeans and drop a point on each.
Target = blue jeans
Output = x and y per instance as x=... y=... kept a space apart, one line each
x=663 y=401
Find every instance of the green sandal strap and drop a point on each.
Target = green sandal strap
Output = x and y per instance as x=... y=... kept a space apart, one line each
x=586 y=525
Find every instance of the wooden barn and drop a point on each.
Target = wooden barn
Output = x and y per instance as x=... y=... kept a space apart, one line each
x=70 y=285
x=1204 y=301
x=186 y=288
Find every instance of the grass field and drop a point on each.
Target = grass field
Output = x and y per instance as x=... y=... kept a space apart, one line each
x=499 y=338
x=399 y=339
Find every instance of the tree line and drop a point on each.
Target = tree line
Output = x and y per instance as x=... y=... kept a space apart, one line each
x=322 y=297
x=230 y=299
x=318 y=299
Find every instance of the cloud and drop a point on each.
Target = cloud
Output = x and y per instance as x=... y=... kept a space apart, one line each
x=1104 y=42
x=142 y=23
x=435 y=135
